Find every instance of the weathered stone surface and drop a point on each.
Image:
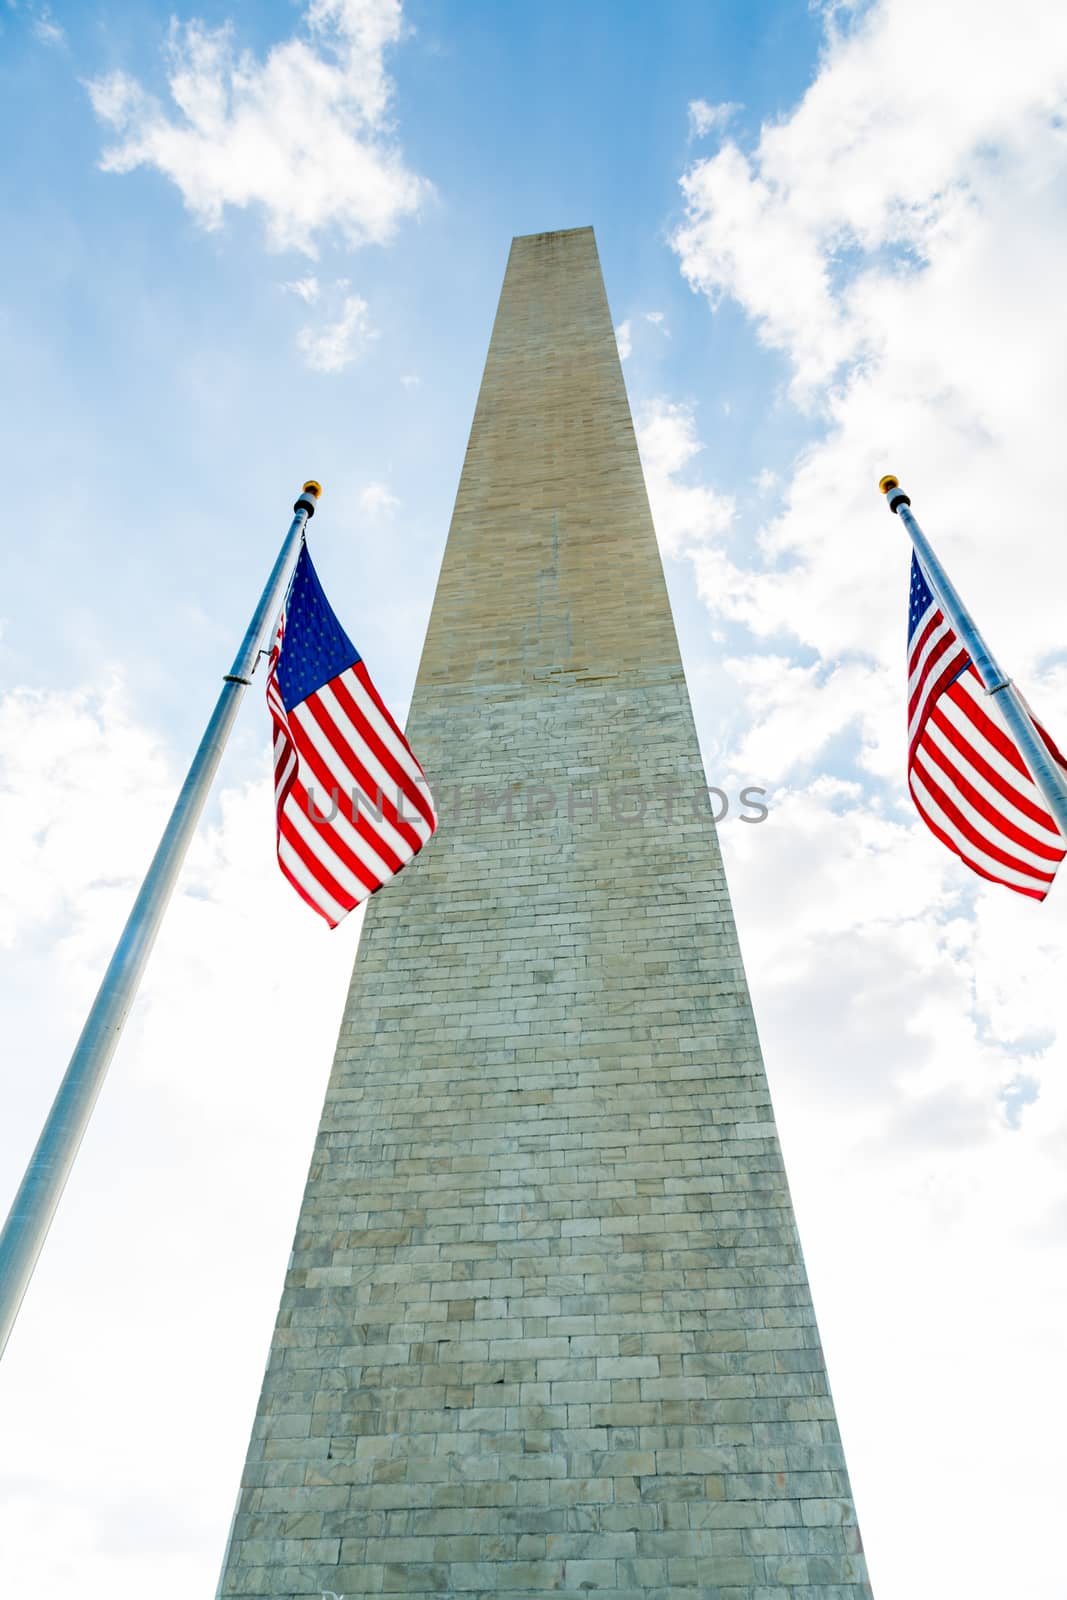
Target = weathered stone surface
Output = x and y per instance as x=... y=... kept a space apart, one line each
x=547 y=1326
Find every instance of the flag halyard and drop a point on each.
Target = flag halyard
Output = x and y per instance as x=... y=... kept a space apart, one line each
x=352 y=803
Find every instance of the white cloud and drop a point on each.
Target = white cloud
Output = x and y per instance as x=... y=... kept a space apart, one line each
x=869 y=163
x=655 y=317
x=894 y=1025
x=306 y=289
x=200 y=1135
x=624 y=339
x=302 y=133
x=335 y=345
x=899 y=246
x=928 y=365
x=411 y=380
x=377 y=501
x=55 y=749
x=704 y=117
x=795 y=711
x=687 y=515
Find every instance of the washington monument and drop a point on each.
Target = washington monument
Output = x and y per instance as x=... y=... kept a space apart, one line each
x=546 y=1325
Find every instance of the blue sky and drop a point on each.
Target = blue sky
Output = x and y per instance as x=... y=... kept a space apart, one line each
x=161 y=361
x=216 y=283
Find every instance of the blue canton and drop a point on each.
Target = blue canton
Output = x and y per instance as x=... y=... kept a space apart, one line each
x=315 y=647
x=921 y=598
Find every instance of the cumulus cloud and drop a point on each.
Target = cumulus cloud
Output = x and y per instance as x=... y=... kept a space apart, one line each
x=899 y=252
x=868 y=165
x=624 y=339
x=201 y=1134
x=303 y=134
x=898 y=1012
x=898 y=246
x=55 y=749
x=687 y=515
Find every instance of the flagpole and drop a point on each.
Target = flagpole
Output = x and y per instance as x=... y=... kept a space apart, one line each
x=1043 y=769
x=39 y=1194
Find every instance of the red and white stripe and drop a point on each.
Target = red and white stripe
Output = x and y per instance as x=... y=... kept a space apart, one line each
x=966 y=775
x=341 y=747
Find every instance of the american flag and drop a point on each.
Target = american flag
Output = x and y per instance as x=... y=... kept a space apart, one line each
x=352 y=803
x=965 y=773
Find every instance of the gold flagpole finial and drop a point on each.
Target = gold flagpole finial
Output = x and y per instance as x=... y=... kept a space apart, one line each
x=890 y=486
x=307 y=499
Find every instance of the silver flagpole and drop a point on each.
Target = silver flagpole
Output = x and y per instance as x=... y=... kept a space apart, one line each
x=35 y=1204
x=1043 y=769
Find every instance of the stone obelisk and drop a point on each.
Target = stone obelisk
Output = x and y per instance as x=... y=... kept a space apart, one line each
x=546 y=1326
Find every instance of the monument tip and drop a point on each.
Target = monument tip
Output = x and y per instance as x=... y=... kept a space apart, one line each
x=551 y=233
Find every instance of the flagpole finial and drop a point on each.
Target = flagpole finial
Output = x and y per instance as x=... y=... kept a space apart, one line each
x=307 y=499
x=890 y=487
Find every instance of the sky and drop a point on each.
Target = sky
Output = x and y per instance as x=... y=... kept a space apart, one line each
x=256 y=242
